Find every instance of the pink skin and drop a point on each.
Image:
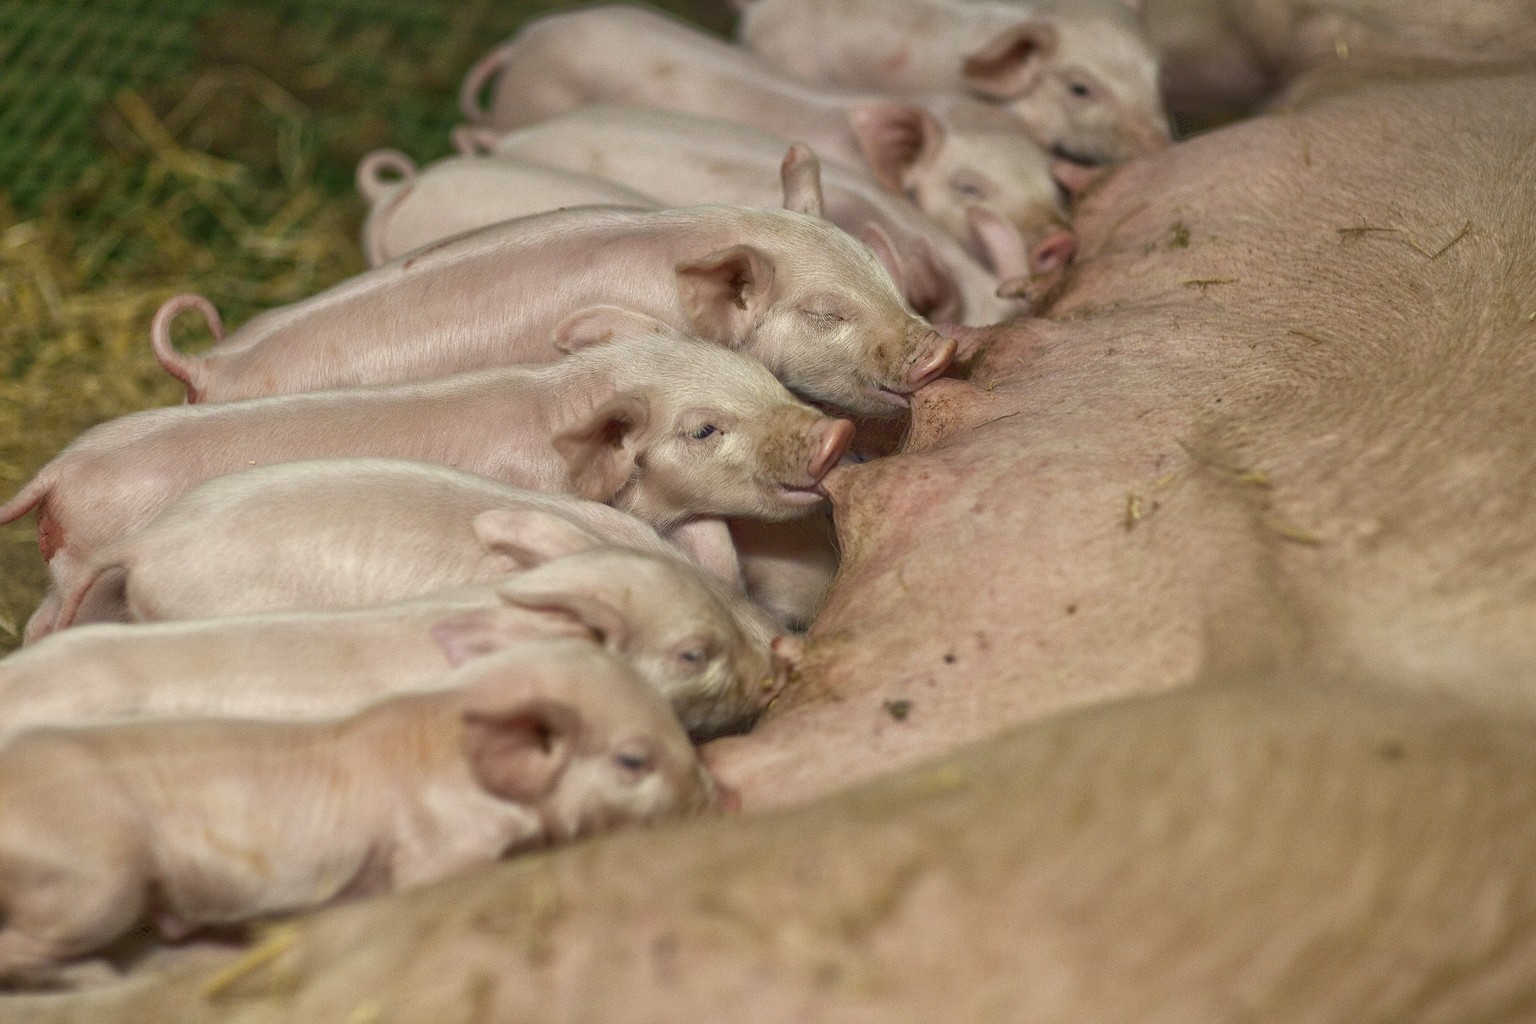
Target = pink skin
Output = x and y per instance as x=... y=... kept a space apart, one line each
x=947 y=153
x=678 y=159
x=248 y=543
x=812 y=304
x=1293 y=499
x=1081 y=78
x=700 y=646
x=544 y=742
x=583 y=426
x=458 y=194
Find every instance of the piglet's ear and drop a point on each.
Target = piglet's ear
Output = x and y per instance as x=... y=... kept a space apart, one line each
x=999 y=242
x=708 y=539
x=593 y=614
x=599 y=450
x=518 y=752
x=1009 y=65
x=895 y=138
x=473 y=635
x=598 y=325
x=801 y=174
x=725 y=294
x=530 y=537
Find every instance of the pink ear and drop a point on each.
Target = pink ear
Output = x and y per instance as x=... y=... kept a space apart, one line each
x=599 y=451
x=530 y=536
x=895 y=138
x=999 y=242
x=598 y=616
x=930 y=285
x=874 y=236
x=1009 y=66
x=726 y=292
x=470 y=635
x=518 y=752
x=598 y=325
x=709 y=541
x=800 y=173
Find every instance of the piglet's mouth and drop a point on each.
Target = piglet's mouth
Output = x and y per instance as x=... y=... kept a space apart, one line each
x=802 y=495
x=881 y=393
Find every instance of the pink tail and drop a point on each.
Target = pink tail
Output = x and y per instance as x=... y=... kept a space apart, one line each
x=371 y=182
x=180 y=366
x=28 y=498
x=474 y=83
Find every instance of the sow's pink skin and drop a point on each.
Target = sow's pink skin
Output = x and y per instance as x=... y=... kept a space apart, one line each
x=640 y=417
x=811 y=303
x=1081 y=78
x=228 y=821
x=949 y=154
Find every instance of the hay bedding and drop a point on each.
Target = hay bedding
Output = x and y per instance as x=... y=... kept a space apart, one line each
x=234 y=180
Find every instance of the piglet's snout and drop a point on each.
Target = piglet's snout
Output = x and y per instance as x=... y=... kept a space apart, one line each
x=828 y=447
x=931 y=360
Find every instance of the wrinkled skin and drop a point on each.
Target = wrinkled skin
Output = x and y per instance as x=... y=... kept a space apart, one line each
x=810 y=302
x=413 y=208
x=676 y=159
x=662 y=426
x=225 y=821
x=1080 y=77
x=692 y=644
x=948 y=154
x=1264 y=446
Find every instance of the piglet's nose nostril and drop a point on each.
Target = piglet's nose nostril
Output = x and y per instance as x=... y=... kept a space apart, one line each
x=835 y=439
x=932 y=365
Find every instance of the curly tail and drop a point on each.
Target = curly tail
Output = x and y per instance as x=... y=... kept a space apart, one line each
x=474 y=83
x=28 y=498
x=372 y=184
x=182 y=367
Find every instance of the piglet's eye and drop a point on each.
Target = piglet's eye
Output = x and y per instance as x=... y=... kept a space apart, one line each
x=1078 y=89
x=634 y=761
x=692 y=655
x=700 y=433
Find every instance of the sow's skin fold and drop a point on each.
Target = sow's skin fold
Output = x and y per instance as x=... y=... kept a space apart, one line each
x=1285 y=458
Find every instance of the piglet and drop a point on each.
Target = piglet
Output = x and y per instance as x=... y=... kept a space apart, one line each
x=696 y=642
x=390 y=530
x=659 y=425
x=789 y=289
x=1081 y=77
x=948 y=153
x=410 y=207
x=678 y=158
x=217 y=822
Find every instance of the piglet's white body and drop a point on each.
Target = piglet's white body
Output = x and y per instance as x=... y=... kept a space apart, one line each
x=672 y=157
x=700 y=647
x=1081 y=77
x=641 y=418
x=411 y=207
x=227 y=821
x=809 y=301
x=950 y=153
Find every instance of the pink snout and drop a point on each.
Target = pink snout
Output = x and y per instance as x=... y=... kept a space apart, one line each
x=930 y=366
x=1052 y=252
x=836 y=436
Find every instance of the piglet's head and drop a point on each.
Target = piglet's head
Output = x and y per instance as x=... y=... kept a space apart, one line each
x=819 y=309
x=947 y=170
x=566 y=728
x=691 y=429
x=1083 y=81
